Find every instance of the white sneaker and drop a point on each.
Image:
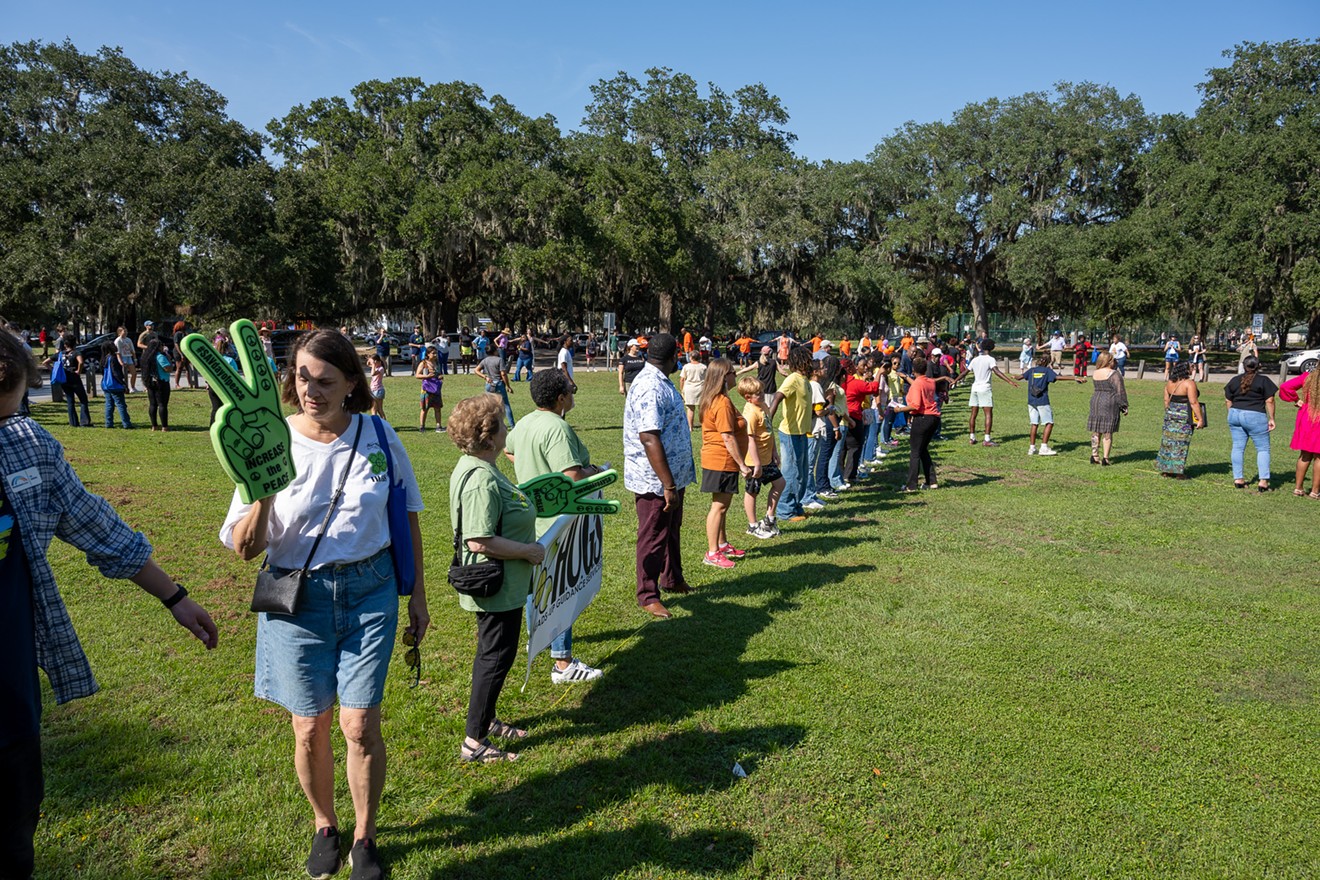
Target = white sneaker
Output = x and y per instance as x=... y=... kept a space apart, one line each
x=575 y=671
x=1031 y=450
x=813 y=505
x=1045 y=450
x=843 y=487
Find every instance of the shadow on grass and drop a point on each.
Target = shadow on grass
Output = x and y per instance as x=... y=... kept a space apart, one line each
x=693 y=762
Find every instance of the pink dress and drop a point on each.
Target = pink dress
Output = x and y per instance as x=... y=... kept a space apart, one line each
x=1306 y=433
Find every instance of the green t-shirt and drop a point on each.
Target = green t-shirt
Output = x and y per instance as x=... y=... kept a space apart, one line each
x=543 y=443
x=488 y=495
x=795 y=408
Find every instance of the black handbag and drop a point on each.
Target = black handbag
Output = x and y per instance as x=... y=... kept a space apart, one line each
x=480 y=580
x=280 y=595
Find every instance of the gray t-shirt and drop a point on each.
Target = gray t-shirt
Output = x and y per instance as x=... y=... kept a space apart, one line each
x=491 y=367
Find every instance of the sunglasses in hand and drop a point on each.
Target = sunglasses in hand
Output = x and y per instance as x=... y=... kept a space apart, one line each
x=412 y=658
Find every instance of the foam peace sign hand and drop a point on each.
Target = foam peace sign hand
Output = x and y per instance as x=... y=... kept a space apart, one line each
x=249 y=435
x=553 y=494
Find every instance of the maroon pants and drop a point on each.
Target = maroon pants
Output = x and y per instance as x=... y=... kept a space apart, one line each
x=658 y=559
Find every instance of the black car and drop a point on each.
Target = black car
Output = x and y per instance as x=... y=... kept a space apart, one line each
x=281 y=343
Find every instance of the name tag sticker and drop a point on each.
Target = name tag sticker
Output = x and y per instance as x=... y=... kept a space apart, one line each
x=23 y=480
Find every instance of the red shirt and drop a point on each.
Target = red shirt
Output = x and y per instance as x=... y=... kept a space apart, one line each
x=856 y=391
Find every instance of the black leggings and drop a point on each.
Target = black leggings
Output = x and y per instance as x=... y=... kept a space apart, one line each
x=158 y=401
x=852 y=451
x=497 y=648
x=74 y=388
x=216 y=403
x=923 y=429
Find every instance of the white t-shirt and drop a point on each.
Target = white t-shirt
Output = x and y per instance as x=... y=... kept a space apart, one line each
x=1057 y=343
x=359 y=527
x=818 y=424
x=565 y=361
x=983 y=367
x=1118 y=350
x=694 y=381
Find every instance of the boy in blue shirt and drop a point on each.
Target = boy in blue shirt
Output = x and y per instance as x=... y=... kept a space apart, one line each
x=1039 y=411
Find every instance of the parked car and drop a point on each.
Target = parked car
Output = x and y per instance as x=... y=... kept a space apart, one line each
x=1302 y=361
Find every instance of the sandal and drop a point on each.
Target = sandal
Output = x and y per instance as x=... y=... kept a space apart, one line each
x=1094 y=460
x=1300 y=493
x=1239 y=484
x=1104 y=462
x=484 y=754
x=1314 y=495
x=1263 y=489
x=501 y=730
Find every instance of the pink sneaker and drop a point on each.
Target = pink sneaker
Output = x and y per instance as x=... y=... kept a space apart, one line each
x=717 y=559
x=732 y=552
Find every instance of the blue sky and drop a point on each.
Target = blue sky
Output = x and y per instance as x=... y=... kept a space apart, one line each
x=848 y=73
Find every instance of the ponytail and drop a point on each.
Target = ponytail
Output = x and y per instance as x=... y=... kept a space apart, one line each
x=1250 y=365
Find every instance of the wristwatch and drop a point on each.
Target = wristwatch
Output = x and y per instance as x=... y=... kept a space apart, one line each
x=176 y=598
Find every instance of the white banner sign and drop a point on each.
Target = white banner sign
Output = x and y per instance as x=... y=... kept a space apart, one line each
x=564 y=584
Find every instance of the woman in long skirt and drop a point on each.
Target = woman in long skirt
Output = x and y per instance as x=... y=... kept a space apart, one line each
x=1108 y=403
x=1182 y=416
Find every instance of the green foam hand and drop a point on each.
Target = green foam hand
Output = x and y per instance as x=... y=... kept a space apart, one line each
x=553 y=494
x=249 y=434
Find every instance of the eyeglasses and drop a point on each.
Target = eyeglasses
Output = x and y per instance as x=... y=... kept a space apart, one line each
x=413 y=658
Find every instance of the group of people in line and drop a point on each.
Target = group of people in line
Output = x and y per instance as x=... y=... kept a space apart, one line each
x=810 y=426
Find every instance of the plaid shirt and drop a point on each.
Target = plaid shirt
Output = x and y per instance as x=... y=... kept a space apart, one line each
x=50 y=501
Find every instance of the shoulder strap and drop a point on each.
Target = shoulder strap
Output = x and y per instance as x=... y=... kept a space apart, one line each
x=334 y=499
x=377 y=422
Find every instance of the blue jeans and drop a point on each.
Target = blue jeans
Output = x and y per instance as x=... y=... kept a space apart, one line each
x=835 y=470
x=114 y=400
x=1255 y=426
x=872 y=436
x=824 y=455
x=793 y=464
x=503 y=392
x=1120 y=364
x=809 y=482
x=562 y=646
x=523 y=361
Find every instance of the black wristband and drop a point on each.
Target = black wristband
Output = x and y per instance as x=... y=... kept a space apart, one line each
x=176 y=598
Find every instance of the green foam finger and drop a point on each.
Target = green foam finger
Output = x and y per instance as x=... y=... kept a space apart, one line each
x=249 y=434
x=553 y=494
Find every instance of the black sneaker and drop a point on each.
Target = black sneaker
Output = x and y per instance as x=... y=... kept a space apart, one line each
x=364 y=861
x=324 y=859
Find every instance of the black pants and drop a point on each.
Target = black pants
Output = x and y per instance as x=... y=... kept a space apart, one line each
x=923 y=429
x=74 y=388
x=852 y=451
x=216 y=403
x=20 y=768
x=497 y=648
x=158 y=401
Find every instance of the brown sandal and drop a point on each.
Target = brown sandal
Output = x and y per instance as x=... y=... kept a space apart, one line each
x=505 y=731
x=484 y=754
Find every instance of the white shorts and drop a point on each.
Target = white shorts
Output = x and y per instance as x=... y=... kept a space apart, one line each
x=983 y=399
x=1040 y=415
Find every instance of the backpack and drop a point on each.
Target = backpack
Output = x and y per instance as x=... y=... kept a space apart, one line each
x=69 y=361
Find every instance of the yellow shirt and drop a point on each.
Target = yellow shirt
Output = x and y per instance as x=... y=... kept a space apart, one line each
x=796 y=405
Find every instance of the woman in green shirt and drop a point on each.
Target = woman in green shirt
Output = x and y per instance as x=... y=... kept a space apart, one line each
x=499 y=522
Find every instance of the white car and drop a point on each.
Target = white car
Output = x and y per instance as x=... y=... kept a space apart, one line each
x=1302 y=361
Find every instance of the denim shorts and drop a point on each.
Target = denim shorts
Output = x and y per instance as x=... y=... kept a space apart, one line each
x=1040 y=415
x=339 y=642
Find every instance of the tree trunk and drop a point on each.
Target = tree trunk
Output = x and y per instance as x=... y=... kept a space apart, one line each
x=1040 y=327
x=666 y=318
x=1313 y=329
x=976 y=288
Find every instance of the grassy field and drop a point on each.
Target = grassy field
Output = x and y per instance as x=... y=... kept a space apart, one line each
x=1041 y=669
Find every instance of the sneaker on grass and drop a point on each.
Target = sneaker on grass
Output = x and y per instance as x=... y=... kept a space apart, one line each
x=324 y=860
x=1031 y=450
x=732 y=552
x=574 y=672
x=1046 y=450
x=717 y=559
x=365 y=862
x=813 y=505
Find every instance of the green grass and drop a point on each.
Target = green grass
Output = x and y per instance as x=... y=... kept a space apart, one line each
x=1042 y=669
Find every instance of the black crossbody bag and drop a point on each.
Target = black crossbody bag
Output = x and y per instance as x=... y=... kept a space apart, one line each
x=280 y=595
x=480 y=580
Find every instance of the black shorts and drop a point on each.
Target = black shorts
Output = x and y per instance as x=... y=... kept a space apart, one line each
x=769 y=473
x=432 y=400
x=716 y=482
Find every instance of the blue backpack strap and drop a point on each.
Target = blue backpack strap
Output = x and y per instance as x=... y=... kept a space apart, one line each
x=385 y=447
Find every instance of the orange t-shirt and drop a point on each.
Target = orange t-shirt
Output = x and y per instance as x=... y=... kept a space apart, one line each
x=866 y=342
x=720 y=419
x=745 y=344
x=815 y=344
x=906 y=342
x=845 y=348
x=687 y=342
